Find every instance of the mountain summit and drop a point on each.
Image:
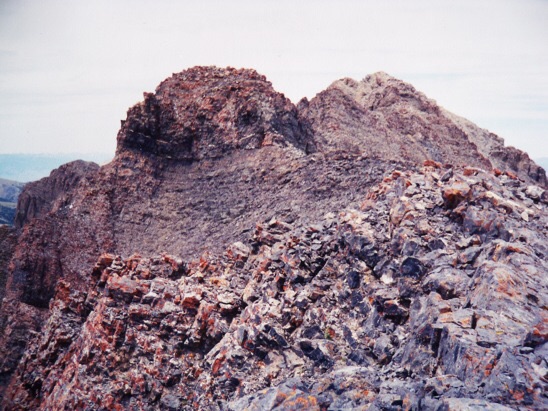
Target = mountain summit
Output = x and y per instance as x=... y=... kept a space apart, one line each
x=365 y=249
x=384 y=117
x=206 y=112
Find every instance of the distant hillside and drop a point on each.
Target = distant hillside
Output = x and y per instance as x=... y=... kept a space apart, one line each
x=9 y=191
x=7 y=213
x=32 y=167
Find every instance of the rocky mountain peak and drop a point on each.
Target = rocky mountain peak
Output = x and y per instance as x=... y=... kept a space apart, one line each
x=207 y=112
x=383 y=117
x=364 y=250
x=380 y=90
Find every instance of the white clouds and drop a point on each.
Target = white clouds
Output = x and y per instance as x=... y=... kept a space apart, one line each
x=485 y=60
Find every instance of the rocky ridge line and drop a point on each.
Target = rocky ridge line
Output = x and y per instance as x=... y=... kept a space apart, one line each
x=204 y=158
x=431 y=295
x=387 y=118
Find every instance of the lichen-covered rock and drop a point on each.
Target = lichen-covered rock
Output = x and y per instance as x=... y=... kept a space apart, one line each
x=302 y=317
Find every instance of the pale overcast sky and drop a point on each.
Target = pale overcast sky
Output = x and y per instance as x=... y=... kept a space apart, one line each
x=69 y=70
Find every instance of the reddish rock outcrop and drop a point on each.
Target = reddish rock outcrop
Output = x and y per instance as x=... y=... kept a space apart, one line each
x=207 y=112
x=420 y=306
x=198 y=164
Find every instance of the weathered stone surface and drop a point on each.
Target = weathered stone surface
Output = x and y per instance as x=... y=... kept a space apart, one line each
x=384 y=117
x=206 y=112
x=293 y=267
x=432 y=331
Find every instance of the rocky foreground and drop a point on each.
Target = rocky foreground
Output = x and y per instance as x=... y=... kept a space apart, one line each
x=241 y=252
x=432 y=295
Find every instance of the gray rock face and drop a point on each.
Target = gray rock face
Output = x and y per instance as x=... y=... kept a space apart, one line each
x=51 y=193
x=384 y=117
x=309 y=270
x=405 y=303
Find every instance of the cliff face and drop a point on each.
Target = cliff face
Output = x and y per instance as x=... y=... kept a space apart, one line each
x=209 y=112
x=199 y=163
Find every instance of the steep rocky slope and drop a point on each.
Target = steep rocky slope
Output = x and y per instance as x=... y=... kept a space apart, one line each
x=51 y=193
x=432 y=295
x=198 y=164
x=384 y=117
x=7 y=244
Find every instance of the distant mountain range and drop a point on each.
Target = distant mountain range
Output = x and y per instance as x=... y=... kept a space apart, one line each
x=32 y=167
x=9 y=191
